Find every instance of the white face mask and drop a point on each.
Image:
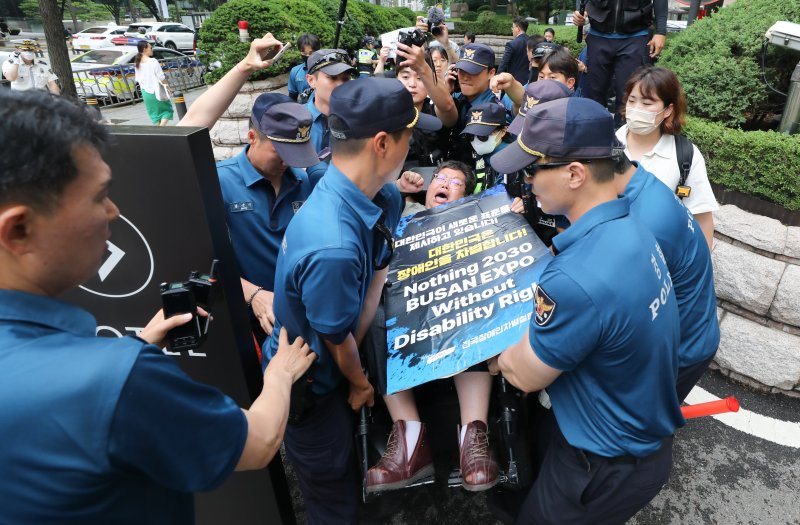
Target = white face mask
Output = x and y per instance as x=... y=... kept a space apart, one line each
x=27 y=55
x=642 y=122
x=487 y=146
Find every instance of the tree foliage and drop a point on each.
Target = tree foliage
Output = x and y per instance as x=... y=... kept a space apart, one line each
x=718 y=58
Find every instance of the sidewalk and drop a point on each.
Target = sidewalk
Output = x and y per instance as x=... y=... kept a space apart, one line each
x=136 y=115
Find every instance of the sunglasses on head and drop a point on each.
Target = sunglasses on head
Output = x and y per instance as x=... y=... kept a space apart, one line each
x=330 y=58
x=531 y=169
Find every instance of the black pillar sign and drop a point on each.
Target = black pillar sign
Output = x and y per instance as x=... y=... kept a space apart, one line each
x=461 y=287
x=173 y=222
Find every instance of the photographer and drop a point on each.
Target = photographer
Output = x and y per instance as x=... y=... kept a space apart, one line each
x=435 y=25
x=25 y=72
x=99 y=430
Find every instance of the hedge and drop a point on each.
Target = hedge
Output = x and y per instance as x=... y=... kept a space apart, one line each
x=286 y=20
x=761 y=163
x=718 y=59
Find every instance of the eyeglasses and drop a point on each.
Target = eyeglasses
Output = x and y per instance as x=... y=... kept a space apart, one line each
x=531 y=169
x=386 y=235
x=480 y=138
x=330 y=58
x=454 y=183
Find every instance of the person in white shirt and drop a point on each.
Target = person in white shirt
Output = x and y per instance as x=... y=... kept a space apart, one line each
x=149 y=75
x=25 y=72
x=655 y=112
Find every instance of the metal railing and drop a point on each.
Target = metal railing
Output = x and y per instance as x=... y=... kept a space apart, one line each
x=116 y=85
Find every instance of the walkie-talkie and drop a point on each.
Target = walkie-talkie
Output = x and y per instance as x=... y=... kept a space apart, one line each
x=184 y=297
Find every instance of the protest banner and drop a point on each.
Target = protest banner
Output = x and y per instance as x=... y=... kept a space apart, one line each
x=460 y=287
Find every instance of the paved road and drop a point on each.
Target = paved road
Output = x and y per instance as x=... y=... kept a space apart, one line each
x=720 y=476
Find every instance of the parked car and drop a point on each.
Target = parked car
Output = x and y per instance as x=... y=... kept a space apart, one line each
x=165 y=34
x=109 y=73
x=96 y=37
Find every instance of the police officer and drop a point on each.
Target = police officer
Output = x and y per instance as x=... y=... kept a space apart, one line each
x=25 y=72
x=486 y=133
x=327 y=69
x=689 y=262
x=298 y=84
x=263 y=188
x=110 y=430
x=473 y=71
x=367 y=57
x=331 y=269
x=606 y=347
x=620 y=42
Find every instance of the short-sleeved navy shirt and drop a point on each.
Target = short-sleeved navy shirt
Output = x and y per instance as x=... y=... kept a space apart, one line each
x=320 y=134
x=100 y=430
x=605 y=314
x=326 y=265
x=688 y=259
x=256 y=218
x=297 y=79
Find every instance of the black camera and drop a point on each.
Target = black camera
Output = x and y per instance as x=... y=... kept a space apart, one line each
x=184 y=297
x=411 y=38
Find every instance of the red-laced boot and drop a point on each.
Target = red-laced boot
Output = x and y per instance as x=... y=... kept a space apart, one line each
x=396 y=469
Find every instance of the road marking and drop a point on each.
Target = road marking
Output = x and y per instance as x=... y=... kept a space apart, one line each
x=786 y=433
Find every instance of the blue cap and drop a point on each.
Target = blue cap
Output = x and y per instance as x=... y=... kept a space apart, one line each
x=475 y=57
x=537 y=92
x=567 y=128
x=367 y=106
x=484 y=119
x=288 y=125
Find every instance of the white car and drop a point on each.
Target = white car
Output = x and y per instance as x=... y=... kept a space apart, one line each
x=166 y=34
x=96 y=37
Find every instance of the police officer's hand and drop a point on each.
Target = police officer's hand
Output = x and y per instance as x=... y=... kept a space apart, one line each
x=656 y=44
x=262 y=308
x=361 y=395
x=410 y=182
x=259 y=48
x=494 y=366
x=578 y=19
x=156 y=330
x=293 y=359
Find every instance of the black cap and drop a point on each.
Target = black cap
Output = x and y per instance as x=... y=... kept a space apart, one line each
x=330 y=61
x=366 y=106
x=475 y=57
x=543 y=48
x=288 y=125
x=484 y=119
x=567 y=128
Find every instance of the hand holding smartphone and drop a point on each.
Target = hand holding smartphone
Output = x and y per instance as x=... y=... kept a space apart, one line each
x=276 y=55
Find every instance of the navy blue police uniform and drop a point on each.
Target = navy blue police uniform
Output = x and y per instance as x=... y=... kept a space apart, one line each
x=325 y=267
x=689 y=262
x=102 y=430
x=606 y=316
x=256 y=216
x=331 y=62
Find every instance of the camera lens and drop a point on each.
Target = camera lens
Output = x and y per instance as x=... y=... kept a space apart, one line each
x=436 y=30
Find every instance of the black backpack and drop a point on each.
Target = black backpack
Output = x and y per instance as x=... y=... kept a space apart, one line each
x=685 y=152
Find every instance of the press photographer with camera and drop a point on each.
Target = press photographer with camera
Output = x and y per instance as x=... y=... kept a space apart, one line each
x=435 y=26
x=100 y=430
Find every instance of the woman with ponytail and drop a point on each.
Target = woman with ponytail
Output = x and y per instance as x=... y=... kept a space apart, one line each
x=149 y=75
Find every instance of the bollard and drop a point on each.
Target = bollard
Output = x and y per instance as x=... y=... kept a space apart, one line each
x=180 y=103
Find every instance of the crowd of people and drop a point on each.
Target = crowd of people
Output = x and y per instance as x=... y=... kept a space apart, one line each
x=623 y=324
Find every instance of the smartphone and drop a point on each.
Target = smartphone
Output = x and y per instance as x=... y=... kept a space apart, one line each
x=277 y=56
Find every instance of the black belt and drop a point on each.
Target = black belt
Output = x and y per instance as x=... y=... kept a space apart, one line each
x=586 y=458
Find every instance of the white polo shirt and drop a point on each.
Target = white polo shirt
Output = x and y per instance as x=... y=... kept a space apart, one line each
x=34 y=76
x=662 y=162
